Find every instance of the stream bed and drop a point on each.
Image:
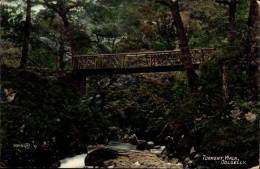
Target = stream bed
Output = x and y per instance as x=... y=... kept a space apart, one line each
x=78 y=160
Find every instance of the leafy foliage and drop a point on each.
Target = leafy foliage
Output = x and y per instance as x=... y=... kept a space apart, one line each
x=12 y=23
x=230 y=132
x=35 y=108
x=231 y=129
x=10 y=54
x=206 y=23
x=41 y=109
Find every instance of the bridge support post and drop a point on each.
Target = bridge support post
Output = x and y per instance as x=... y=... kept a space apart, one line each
x=79 y=80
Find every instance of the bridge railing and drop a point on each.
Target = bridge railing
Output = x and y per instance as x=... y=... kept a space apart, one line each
x=139 y=59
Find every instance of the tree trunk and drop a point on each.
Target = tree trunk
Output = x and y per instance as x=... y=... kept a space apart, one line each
x=254 y=50
x=225 y=77
x=40 y=61
x=61 y=54
x=69 y=34
x=232 y=19
x=193 y=78
x=79 y=80
x=186 y=56
x=57 y=62
x=231 y=36
x=26 y=42
x=63 y=11
x=103 y=100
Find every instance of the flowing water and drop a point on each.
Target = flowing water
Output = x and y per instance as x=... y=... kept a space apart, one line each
x=78 y=160
x=73 y=162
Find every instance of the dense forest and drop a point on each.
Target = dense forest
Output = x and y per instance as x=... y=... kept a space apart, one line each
x=46 y=116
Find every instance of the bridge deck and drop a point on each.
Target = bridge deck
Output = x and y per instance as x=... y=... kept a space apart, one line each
x=158 y=61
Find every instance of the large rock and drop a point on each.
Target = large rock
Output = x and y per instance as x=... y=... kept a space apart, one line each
x=2 y=165
x=97 y=157
x=133 y=139
x=139 y=159
x=125 y=138
x=178 y=140
x=142 y=145
x=150 y=144
x=157 y=147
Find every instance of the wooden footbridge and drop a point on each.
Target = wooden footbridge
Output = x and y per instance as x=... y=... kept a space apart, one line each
x=121 y=63
x=140 y=62
x=124 y=63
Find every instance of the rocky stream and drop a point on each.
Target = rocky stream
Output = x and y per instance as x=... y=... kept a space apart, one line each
x=118 y=154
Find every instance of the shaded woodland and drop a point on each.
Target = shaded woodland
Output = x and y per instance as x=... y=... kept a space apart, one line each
x=45 y=117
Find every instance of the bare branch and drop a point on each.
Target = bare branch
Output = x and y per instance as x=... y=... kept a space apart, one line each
x=52 y=6
x=168 y=3
x=71 y=6
x=227 y=2
x=164 y=2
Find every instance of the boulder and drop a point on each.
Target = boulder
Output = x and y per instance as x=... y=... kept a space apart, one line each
x=139 y=159
x=178 y=140
x=125 y=138
x=97 y=157
x=150 y=144
x=133 y=139
x=193 y=153
x=142 y=145
x=157 y=147
x=2 y=165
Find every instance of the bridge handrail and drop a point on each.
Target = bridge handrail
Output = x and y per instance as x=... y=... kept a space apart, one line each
x=138 y=59
x=148 y=52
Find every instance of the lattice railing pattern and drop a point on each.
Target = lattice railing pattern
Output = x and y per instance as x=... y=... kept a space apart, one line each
x=138 y=60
